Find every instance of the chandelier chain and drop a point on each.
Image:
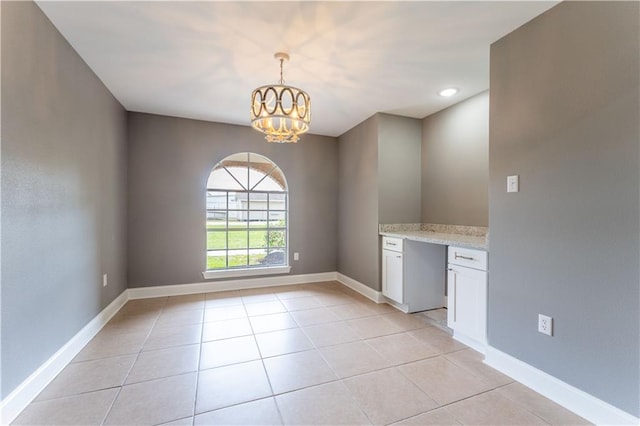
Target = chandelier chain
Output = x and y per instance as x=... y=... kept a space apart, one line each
x=281 y=74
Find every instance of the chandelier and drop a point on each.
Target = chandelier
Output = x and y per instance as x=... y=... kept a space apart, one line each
x=279 y=111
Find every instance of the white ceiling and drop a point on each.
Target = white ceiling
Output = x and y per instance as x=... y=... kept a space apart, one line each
x=202 y=59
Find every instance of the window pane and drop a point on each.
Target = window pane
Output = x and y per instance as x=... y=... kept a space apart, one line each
x=216 y=259
x=269 y=184
x=257 y=173
x=257 y=239
x=216 y=200
x=216 y=240
x=238 y=239
x=277 y=202
x=278 y=177
x=259 y=160
x=278 y=219
x=238 y=218
x=275 y=257
x=238 y=258
x=233 y=203
x=277 y=239
x=257 y=257
x=216 y=219
x=221 y=179
x=259 y=216
x=258 y=201
x=273 y=182
x=238 y=200
x=239 y=173
x=258 y=219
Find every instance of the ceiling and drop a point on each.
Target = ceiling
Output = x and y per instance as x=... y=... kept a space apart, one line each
x=201 y=60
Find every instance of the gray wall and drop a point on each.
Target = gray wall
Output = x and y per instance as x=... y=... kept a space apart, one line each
x=169 y=162
x=379 y=182
x=565 y=117
x=63 y=192
x=455 y=164
x=358 y=253
x=399 y=148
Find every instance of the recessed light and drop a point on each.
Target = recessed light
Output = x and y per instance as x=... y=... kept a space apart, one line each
x=448 y=92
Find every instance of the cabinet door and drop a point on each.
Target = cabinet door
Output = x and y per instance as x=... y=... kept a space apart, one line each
x=467 y=302
x=392 y=275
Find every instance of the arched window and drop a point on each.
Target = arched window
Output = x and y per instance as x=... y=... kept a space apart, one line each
x=246 y=215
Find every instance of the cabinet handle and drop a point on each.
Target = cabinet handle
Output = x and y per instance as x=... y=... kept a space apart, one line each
x=398 y=257
x=455 y=299
x=391 y=244
x=458 y=256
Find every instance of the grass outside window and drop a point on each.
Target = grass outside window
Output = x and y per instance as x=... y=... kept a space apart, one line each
x=237 y=239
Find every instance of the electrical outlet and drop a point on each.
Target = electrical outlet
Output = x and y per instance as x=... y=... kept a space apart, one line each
x=545 y=325
x=296 y=256
x=104 y=280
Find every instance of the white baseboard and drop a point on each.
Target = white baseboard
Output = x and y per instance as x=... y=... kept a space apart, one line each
x=472 y=343
x=22 y=396
x=364 y=290
x=214 y=286
x=585 y=405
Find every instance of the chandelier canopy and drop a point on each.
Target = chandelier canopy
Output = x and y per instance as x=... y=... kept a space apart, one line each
x=279 y=111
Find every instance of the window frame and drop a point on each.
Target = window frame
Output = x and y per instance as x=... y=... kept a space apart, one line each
x=247 y=269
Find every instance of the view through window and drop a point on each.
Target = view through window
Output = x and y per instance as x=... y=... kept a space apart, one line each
x=246 y=213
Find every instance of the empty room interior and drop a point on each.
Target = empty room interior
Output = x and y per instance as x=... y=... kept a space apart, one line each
x=320 y=213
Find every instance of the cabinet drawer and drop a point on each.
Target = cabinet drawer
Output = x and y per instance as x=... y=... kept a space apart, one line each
x=390 y=243
x=471 y=258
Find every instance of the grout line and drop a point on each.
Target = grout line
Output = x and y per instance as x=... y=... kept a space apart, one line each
x=317 y=349
x=264 y=367
x=106 y=414
x=195 y=393
x=262 y=358
x=134 y=362
x=164 y=309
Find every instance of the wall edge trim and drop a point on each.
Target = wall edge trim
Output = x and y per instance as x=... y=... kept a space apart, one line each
x=578 y=401
x=357 y=286
x=26 y=392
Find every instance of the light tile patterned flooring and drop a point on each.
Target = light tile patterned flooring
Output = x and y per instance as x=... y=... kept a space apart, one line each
x=305 y=354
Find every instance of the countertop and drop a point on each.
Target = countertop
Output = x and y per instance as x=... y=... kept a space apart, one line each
x=476 y=237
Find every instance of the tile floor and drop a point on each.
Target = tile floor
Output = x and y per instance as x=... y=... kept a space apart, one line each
x=306 y=354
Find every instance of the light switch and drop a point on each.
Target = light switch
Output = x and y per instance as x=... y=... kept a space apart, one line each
x=513 y=184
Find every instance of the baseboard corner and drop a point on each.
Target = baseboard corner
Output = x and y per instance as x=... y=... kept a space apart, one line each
x=358 y=287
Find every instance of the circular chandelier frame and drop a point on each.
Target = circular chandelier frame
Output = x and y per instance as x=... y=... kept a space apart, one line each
x=280 y=111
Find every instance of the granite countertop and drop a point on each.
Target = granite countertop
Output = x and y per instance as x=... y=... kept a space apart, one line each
x=476 y=237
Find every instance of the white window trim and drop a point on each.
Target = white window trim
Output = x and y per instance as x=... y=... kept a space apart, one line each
x=230 y=273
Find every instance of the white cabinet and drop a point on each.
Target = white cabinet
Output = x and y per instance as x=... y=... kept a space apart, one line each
x=413 y=274
x=392 y=275
x=467 y=296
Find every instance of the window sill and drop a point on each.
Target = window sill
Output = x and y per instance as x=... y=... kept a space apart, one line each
x=230 y=273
